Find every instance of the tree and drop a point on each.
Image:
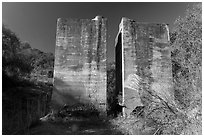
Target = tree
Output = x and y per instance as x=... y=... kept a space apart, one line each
x=186 y=40
x=13 y=63
x=10 y=43
x=187 y=53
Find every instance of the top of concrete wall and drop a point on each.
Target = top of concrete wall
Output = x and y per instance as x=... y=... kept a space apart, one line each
x=134 y=24
x=147 y=23
x=98 y=17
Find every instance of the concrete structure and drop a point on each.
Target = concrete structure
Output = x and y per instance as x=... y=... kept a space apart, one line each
x=143 y=62
x=80 y=62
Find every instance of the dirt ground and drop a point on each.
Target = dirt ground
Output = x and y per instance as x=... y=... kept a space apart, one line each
x=77 y=126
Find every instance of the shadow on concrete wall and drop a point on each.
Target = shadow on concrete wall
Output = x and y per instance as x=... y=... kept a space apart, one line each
x=66 y=94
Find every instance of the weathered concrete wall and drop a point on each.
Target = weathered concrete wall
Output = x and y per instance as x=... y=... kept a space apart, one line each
x=80 y=62
x=146 y=61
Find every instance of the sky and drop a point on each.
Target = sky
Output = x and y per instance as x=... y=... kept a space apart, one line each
x=36 y=22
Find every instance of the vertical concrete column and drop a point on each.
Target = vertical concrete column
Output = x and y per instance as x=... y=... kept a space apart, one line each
x=80 y=63
x=145 y=61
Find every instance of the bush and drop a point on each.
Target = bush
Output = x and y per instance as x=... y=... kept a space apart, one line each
x=20 y=62
x=187 y=54
x=186 y=42
x=14 y=65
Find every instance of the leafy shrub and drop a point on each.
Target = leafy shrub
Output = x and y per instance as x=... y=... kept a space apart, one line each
x=128 y=126
x=13 y=63
x=20 y=62
x=187 y=57
x=15 y=66
x=187 y=54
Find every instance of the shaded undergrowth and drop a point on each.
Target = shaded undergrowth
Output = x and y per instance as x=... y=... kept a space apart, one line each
x=78 y=119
